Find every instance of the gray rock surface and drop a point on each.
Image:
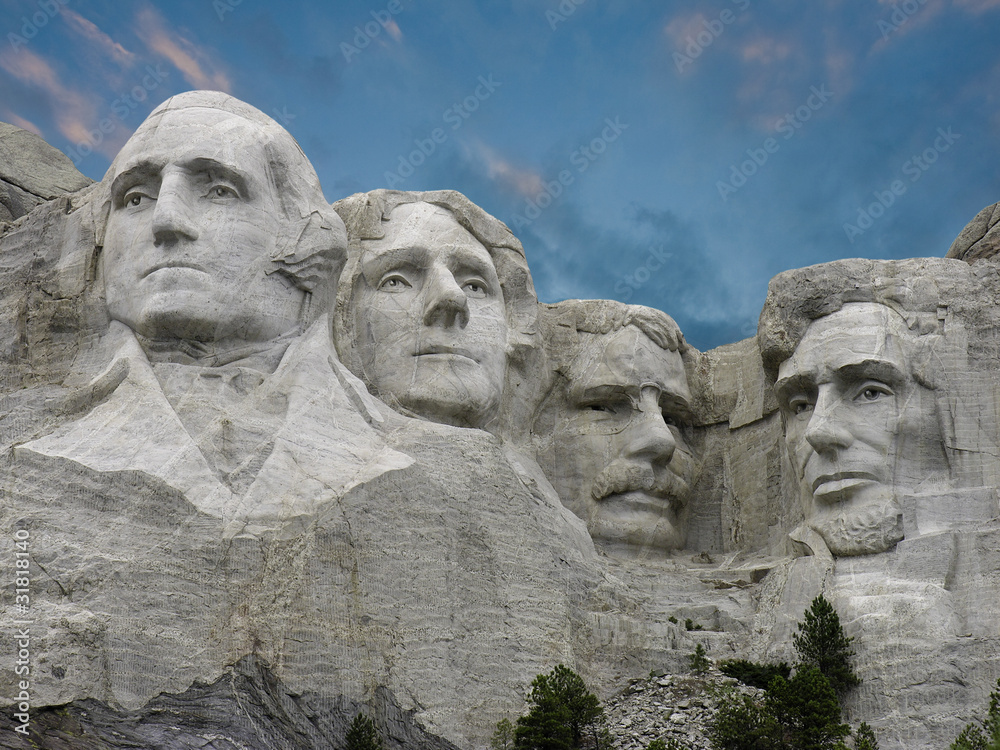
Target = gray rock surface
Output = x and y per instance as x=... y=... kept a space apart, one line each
x=980 y=238
x=246 y=708
x=194 y=504
x=32 y=172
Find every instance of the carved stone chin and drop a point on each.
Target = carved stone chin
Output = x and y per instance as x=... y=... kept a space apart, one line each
x=875 y=527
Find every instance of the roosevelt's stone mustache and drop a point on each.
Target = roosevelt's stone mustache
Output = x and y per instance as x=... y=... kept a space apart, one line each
x=619 y=478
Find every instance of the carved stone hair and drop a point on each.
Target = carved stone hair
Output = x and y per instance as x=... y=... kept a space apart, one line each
x=797 y=298
x=365 y=215
x=980 y=239
x=563 y=321
x=312 y=248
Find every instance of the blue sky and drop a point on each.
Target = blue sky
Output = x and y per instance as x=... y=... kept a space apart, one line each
x=673 y=154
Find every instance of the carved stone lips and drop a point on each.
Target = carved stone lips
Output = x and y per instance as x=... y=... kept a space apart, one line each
x=840 y=481
x=174 y=264
x=443 y=349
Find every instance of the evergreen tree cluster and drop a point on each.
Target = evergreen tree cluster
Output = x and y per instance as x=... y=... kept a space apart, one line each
x=799 y=711
x=563 y=715
x=982 y=735
x=363 y=735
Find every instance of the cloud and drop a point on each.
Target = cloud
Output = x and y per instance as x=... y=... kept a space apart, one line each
x=393 y=30
x=683 y=29
x=978 y=6
x=193 y=62
x=522 y=181
x=73 y=110
x=90 y=31
x=13 y=119
x=765 y=51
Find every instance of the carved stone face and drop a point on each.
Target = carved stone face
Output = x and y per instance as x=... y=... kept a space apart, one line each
x=430 y=319
x=192 y=225
x=616 y=448
x=860 y=430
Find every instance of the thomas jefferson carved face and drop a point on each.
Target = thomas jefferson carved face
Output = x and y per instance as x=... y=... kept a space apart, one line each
x=613 y=440
x=860 y=430
x=192 y=225
x=430 y=318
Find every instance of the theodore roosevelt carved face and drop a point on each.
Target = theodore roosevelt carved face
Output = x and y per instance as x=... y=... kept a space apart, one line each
x=613 y=435
x=860 y=429
x=430 y=318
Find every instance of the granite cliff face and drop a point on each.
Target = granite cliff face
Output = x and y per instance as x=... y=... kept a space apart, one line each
x=358 y=467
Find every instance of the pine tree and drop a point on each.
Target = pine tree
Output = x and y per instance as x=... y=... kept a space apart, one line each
x=563 y=714
x=821 y=642
x=864 y=738
x=808 y=709
x=742 y=723
x=363 y=735
x=699 y=660
x=503 y=737
x=984 y=735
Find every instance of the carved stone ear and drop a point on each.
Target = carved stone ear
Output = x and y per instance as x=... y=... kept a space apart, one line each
x=312 y=254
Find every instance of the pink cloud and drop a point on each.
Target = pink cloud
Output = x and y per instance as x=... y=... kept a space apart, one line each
x=193 y=62
x=524 y=181
x=72 y=109
x=90 y=31
x=684 y=28
x=13 y=119
x=392 y=28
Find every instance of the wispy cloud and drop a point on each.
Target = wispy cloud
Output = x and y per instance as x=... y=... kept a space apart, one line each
x=14 y=119
x=193 y=62
x=93 y=34
x=978 y=6
x=72 y=110
x=392 y=28
x=766 y=50
x=523 y=181
x=684 y=28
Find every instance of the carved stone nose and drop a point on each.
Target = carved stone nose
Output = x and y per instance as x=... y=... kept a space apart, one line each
x=446 y=302
x=172 y=218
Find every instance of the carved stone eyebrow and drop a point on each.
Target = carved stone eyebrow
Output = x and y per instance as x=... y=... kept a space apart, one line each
x=150 y=170
x=227 y=172
x=374 y=264
x=800 y=382
x=872 y=369
x=141 y=172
